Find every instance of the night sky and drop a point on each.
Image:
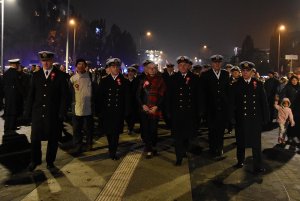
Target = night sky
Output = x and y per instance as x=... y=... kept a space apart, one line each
x=182 y=27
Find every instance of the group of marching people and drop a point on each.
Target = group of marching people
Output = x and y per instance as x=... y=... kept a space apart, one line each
x=224 y=98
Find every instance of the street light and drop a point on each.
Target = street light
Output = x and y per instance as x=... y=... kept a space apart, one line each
x=67 y=42
x=148 y=34
x=2 y=31
x=280 y=29
x=72 y=22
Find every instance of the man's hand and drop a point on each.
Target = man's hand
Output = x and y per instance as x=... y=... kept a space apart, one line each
x=146 y=108
x=153 y=109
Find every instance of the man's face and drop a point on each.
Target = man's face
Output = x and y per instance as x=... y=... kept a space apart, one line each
x=170 y=69
x=294 y=81
x=228 y=69
x=114 y=70
x=151 y=69
x=47 y=64
x=270 y=75
x=62 y=68
x=183 y=67
x=235 y=74
x=80 y=67
x=15 y=65
x=247 y=74
x=216 y=65
x=131 y=74
x=107 y=70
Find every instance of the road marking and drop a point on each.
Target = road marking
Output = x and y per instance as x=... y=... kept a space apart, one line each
x=76 y=178
x=118 y=183
x=156 y=193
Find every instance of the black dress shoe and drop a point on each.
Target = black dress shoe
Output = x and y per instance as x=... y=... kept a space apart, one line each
x=50 y=166
x=259 y=170
x=239 y=165
x=114 y=157
x=31 y=167
x=149 y=155
x=155 y=153
x=178 y=162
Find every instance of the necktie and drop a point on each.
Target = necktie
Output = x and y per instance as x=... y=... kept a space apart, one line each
x=47 y=73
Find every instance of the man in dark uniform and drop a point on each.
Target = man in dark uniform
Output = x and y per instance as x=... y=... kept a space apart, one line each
x=167 y=75
x=113 y=99
x=249 y=108
x=214 y=88
x=13 y=96
x=234 y=76
x=182 y=97
x=168 y=71
x=133 y=86
x=47 y=108
x=228 y=68
x=197 y=69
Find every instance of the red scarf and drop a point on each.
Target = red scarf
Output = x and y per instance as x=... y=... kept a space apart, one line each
x=156 y=89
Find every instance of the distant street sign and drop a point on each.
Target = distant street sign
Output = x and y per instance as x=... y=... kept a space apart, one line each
x=291 y=57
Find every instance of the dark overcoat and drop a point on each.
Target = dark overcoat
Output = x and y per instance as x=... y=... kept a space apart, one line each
x=133 y=87
x=249 y=108
x=47 y=104
x=183 y=104
x=12 y=87
x=113 y=103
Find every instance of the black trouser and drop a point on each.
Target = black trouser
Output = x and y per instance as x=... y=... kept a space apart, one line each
x=130 y=120
x=149 y=131
x=36 y=151
x=181 y=145
x=216 y=128
x=113 y=142
x=10 y=123
x=80 y=124
x=216 y=137
x=166 y=117
x=256 y=153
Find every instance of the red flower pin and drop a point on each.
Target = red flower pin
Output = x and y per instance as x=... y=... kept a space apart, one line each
x=52 y=75
x=77 y=86
x=146 y=83
x=187 y=79
x=254 y=84
x=119 y=81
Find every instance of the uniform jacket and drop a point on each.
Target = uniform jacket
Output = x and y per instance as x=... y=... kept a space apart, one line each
x=250 y=109
x=113 y=102
x=183 y=102
x=133 y=86
x=249 y=101
x=47 y=104
x=214 y=94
